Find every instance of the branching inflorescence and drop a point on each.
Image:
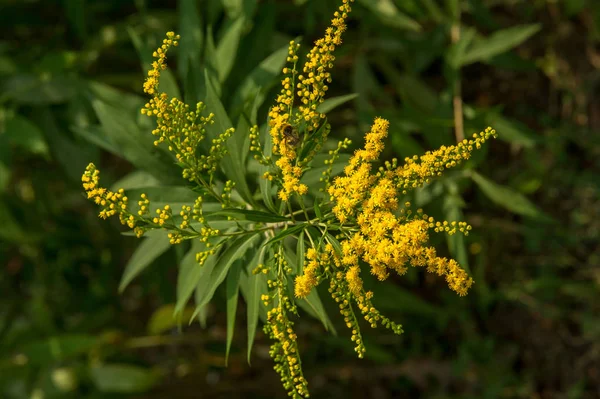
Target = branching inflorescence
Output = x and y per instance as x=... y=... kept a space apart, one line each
x=360 y=225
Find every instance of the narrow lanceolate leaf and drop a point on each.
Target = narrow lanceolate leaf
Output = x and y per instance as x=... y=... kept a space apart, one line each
x=232 y=285
x=334 y=242
x=265 y=184
x=318 y=212
x=191 y=273
x=508 y=198
x=248 y=214
x=150 y=249
x=136 y=146
x=312 y=305
x=263 y=76
x=389 y=14
x=227 y=48
x=190 y=29
x=235 y=251
x=334 y=102
x=233 y=164
x=256 y=286
x=499 y=42
x=289 y=231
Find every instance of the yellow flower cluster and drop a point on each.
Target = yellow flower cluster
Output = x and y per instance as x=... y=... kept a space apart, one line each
x=385 y=240
x=284 y=350
x=314 y=266
x=112 y=203
x=280 y=123
x=418 y=170
x=151 y=83
x=311 y=89
x=312 y=84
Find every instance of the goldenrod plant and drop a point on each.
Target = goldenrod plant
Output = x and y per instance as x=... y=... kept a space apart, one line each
x=281 y=241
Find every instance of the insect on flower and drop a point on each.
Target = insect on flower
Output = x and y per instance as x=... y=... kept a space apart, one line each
x=292 y=137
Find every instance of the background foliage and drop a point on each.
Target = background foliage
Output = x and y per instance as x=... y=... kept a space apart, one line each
x=71 y=74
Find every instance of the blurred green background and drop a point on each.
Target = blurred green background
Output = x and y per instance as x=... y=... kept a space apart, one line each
x=530 y=328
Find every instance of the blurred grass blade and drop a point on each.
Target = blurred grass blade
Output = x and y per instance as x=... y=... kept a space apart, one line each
x=256 y=286
x=389 y=14
x=258 y=81
x=164 y=319
x=123 y=378
x=191 y=42
x=150 y=249
x=499 y=42
x=513 y=131
x=21 y=132
x=334 y=102
x=508 y=198
x=58 y=348
x=228 y=47
x=232 y=289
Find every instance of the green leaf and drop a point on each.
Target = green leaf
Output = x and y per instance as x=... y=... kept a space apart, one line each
x=164 y=319
x=312 y=304
x=232 y=286
x=389 y=14
x=334 y=102
x=256 y=286
x=508 y=198
x=136 y=147
x=191 y=274
x=72 y=155
x=335 y=243
x=21 y=132
x=289 y=231
x=266 y=187
x=513 y=131
x=318 y=212
x=123 y=378
x=391 y=297
x=499 y=42
x=227 y=49
x=116 y=98
x=150 y=249
x=190 y=29
x=95 y=135
x=35 y=90
x=254 y=87
x=456 y=55
x=58 y=348
x=235 y=251
x=233 y=164
x=249 y=214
